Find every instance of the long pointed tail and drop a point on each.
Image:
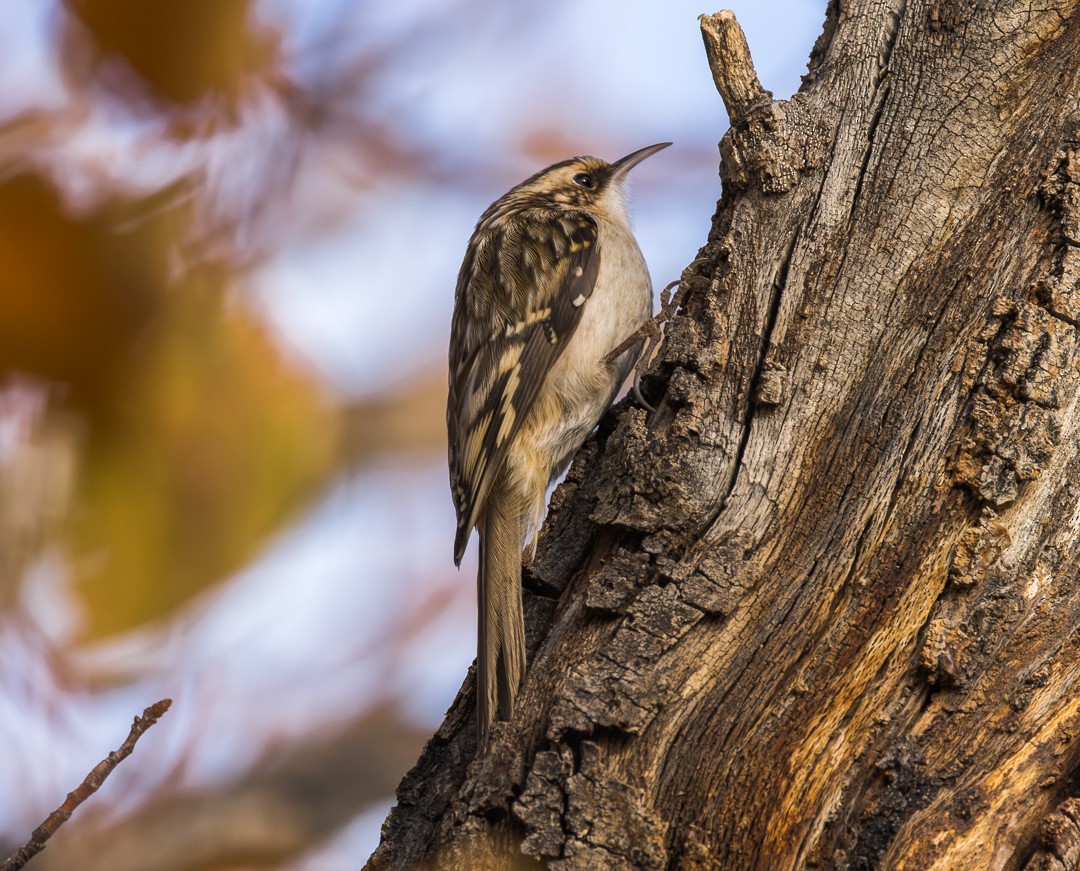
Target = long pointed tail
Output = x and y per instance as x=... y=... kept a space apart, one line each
x=500 y=649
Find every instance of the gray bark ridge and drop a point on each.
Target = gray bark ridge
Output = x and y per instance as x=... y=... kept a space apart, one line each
x=820 y=608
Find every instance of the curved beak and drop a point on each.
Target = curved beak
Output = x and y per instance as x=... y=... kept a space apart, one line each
x=624 y=164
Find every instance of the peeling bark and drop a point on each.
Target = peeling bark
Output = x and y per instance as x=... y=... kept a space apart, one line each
x=820 y=608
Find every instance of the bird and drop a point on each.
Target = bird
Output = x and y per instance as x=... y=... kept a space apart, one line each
x=552 y=281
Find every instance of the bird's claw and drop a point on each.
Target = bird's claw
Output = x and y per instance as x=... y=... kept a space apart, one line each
x=652 y=331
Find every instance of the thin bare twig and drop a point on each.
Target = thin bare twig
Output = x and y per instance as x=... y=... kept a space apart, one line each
x=87 y=788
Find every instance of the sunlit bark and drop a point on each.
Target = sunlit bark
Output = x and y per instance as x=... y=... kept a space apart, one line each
x=819 y=609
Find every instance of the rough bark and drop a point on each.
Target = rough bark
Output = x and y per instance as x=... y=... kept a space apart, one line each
x=820 y=609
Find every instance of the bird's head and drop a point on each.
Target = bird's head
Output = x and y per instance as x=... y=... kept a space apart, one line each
x=587 y=183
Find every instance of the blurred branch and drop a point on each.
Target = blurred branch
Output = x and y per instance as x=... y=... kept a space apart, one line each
x=87 y=788
x=408 y=420
x=39 y=463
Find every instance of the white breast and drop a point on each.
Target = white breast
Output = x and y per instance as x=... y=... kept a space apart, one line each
x=581 y=382
x=620 y=302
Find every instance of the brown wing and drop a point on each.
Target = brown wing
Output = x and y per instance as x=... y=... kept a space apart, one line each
x=520 y=294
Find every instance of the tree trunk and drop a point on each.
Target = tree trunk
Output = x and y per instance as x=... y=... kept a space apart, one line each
x=821 y=609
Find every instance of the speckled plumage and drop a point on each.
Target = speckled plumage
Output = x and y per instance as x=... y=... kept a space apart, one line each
x=551 y=282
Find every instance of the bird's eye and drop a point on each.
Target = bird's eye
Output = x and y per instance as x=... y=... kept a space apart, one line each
x=584 y=179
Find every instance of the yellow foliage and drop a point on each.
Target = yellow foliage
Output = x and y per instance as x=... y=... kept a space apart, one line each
x=216 y=442
x=74 y=290
x=182 y=51
x=199 y=438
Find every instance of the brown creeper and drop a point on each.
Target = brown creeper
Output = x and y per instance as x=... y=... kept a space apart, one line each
x=552 y=281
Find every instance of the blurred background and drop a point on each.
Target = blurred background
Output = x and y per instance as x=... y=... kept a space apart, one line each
x=229 y=236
